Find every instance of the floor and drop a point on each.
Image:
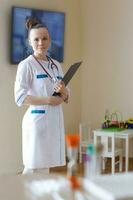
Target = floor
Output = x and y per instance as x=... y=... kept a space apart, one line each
x=80 y=168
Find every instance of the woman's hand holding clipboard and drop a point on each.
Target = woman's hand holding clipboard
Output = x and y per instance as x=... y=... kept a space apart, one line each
x=69 y=74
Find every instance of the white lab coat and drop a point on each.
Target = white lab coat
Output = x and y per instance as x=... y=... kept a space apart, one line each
x=43 y=125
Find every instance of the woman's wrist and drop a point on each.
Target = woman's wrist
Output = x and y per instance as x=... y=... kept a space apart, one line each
x=65 y=97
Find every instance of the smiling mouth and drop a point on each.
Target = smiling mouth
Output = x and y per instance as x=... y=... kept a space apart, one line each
x=41 y=48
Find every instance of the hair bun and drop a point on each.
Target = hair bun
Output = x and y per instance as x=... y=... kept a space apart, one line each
x=31 y=22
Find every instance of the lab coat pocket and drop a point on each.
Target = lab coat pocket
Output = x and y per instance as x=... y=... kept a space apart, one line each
x=38 y=119
x=41 y=80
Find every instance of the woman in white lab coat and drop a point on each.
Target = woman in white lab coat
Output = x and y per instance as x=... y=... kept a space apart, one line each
x=38 y=77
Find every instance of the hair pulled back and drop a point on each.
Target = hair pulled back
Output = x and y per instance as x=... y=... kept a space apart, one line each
x=33 y=23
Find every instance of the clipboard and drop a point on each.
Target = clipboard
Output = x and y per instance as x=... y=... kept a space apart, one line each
x=69 y=74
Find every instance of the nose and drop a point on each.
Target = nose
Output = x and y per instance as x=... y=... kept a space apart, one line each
x=40 y=41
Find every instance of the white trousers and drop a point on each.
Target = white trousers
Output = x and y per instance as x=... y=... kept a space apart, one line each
x=31 y=171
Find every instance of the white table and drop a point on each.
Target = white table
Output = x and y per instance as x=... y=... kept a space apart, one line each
x=111 y=187
x=56 y=187
x=39 y=187
x=125 y=134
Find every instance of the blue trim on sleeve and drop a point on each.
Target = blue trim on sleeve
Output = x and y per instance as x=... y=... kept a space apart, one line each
x=19 y=98
x=41 y=76
x=59 y=77
x=37 y=111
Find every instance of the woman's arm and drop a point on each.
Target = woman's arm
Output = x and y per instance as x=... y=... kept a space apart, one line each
x=50 y=100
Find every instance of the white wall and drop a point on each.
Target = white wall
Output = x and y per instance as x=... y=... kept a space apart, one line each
x=100 y=31
x=11 y=115
x=107 y=36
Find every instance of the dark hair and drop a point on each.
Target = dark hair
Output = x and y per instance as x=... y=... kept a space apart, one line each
x=33 y=23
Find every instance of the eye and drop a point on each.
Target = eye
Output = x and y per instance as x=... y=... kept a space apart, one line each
x=36 y=39
x=45 y=38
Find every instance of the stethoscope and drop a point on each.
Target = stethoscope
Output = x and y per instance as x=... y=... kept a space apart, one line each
x=52 y=65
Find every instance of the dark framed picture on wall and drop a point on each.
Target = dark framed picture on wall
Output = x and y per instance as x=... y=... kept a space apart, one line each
x=55 y=21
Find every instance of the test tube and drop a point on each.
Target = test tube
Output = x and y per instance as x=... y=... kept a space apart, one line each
x=72 y=153
x=93 y=160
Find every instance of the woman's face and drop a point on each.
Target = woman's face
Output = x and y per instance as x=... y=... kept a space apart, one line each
x=39 y=40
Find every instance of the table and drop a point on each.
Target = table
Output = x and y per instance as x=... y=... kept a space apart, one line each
x=56 y=187
x=39 y=187
x=124 y=134
x=108 y=187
